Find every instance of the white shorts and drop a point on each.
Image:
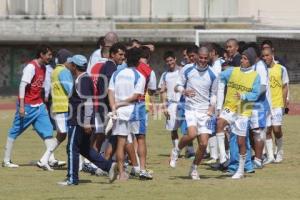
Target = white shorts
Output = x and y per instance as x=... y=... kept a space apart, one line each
x=172 y=124
x=99 y=125
x=122 y=128
x=276 y=117
x=199 y=120
x=258 y=119
x=238 y=124
x=61 y=122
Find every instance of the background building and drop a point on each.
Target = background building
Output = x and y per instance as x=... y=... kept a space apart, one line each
x=170 y=24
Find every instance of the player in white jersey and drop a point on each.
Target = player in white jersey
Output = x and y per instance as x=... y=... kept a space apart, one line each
x=199 y=85
x=125 y=86
x=261 y=109
x=109 y=39
x=169 y=98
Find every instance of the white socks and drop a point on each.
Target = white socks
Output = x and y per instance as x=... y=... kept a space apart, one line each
x=8 y=149
x=241 y=164
x=221 y=146
x=213 y=147
x=51 y=144
x=175 y=143
x=194 y=167
x=269 y=149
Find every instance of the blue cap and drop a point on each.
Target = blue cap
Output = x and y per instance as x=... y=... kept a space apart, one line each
x=79 y=60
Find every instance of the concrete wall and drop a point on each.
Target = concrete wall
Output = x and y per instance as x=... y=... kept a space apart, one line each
x=14 y=57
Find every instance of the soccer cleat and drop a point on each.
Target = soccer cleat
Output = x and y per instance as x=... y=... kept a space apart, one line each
x=88 y=168
x=145 y=175
x=210 y=162
x=57 y=163
x=66 y=183
x=100 y=172
x=279 y=158
x=44 y=166
x=257 y=164
x=238 y=175
x=134 y=173
x=9 y=165
x=113 y=172
x=194 y=175
x=268 y=161
x=174 y=158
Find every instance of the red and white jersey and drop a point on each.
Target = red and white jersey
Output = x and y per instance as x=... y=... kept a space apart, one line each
x=34 y=75
x=150 y=77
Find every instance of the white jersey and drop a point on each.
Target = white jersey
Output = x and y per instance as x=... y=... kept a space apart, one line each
x=47 y=83
x=95 y=57
x=204 y=83
x=217 y=66
x=169 y=80
x=152 y=81
x=125 y=83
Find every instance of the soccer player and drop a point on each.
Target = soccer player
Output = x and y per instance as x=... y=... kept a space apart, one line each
x=142 y=118
x=116 y=57
x=261 y=109
x=215 y=57
x=243 y=88
x=30 y=107
x=198 y=83
x=169 y=98
x=109 y=39
x=80 y=124
x=61 y=90
x=234 y=57
x=279 y=81
x=125 y=86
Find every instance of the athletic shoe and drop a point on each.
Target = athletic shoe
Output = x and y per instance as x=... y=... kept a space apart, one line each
x=66 y=183
x=9 y=165
x=268 y=161
x=279 y=158
x=100 y=172
x=174 y=158
x=210 y=162
x=88 y=168
x=44 y=166
x=193 y=174
x=113 y=172
x=134 y=173
x=238 y=175
x=257 y=164
x=145 y=175
x=57 y=163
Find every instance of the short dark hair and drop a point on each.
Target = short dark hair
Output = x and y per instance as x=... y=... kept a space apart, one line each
x=42 y=49
x=134 y=41
x=267 y=42
x=169 y=54
x=145 y=52
x=217 y=48
x=192 y=49
x=115 y=48
x=133 y=56
x=100 y=42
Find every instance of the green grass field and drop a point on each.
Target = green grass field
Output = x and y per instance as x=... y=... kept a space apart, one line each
x=276 y=181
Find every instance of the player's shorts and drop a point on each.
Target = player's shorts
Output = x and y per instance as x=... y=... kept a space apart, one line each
x=199 y=120
x=139 y=119
x=38 y=117
x=173 y=122
x=276 y=117
x=238 y=124
x=61 y=122
x=258 y=119
x=122 y=128
x=99 y=125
